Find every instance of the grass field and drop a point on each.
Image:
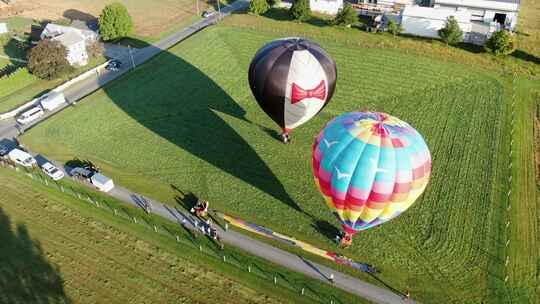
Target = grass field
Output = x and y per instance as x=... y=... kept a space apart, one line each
x=78 y=253
x=188 y=119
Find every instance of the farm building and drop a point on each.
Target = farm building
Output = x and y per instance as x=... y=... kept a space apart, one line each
x=427 y=21
x=504 y=12
x=329 y=7
x=74 y=39
x=76 y=47
x=52 y=30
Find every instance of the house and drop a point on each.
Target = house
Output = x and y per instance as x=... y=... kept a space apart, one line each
x=504 y=12
x=75 y=39
x=328 y=7
x=427 y=21
x=76 y=47
x=52 y=30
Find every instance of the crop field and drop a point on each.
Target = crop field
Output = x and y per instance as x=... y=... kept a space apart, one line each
x=57 y=249
x=187 y=119
x=150 y=17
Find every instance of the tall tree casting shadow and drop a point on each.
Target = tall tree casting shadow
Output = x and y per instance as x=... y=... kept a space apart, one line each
x=188 y=115
x=25 y=274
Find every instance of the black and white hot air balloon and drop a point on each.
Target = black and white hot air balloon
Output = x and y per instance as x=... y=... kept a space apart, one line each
x=292 y=80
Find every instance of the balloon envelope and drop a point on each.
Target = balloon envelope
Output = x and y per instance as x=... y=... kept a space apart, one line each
x=292 y=80
x=370 y=167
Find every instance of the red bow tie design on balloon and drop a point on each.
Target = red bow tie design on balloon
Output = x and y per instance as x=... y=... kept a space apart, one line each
x=298 y=93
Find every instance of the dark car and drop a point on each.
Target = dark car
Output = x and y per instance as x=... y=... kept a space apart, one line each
x=207 y=14
x=3 y=150
x=81 y=173
x=114 y=65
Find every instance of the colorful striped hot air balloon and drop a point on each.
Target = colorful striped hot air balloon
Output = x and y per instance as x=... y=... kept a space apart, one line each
x=370 y=167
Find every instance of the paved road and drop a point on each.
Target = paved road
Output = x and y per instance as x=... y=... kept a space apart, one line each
x=9 y=130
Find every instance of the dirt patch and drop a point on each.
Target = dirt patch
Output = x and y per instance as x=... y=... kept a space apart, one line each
x=150 y=17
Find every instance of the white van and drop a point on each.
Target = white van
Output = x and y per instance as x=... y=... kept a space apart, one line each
x=22 y=158
x=52 y=100
x=102 y=182
x=30 y=115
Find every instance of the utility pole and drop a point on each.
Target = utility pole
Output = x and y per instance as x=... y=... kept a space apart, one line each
x=197 y=4
x=218 y=9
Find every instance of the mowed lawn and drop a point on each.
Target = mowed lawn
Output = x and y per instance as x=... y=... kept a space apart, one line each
x=187 y=119
x=52 y=254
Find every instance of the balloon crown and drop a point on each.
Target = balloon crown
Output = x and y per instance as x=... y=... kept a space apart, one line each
x=297 y=44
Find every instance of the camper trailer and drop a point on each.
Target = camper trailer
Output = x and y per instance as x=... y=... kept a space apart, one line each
x=102 y=182
x=30 y=115
x=52 y=100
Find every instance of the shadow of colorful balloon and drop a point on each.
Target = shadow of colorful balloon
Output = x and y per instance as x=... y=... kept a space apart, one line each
x=187 y=116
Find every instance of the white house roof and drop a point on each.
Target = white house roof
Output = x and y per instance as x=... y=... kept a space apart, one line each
x=53 y=30
x=70 y=38
x=502 y=5
x=462 y=16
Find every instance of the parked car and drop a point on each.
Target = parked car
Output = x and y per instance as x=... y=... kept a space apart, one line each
x=207 y=14
x=113 y=65
x=52 y=171
x=4 y=150
x=30 y=115
x=22 y=158
x=81 y=173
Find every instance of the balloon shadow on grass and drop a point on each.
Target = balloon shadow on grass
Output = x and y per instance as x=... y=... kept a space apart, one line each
x=180 y=103
x=25 y=274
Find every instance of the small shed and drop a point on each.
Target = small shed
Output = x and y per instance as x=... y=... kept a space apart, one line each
x=3 y=28
x=427 y=21
x=102 y=182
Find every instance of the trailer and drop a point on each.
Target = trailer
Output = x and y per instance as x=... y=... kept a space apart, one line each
x=52 y=100
x=102 y=182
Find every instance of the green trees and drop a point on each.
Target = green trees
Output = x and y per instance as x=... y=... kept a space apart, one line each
x=115 y=22
x=300 y=10
x=47 y=60
x=346 y=16
x=501 y=43
x=451 y=33
x=394 y=28
x=259 y=7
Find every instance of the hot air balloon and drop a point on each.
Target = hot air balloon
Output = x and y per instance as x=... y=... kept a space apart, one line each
x=370 y=167
x=292 y=80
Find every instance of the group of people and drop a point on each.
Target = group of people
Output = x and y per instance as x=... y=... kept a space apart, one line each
x=344 y=240
x=201 y=211
x=201 y=208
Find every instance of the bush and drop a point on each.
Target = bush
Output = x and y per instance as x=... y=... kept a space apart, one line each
x=115 y=22
x=259 y=7
x=273 y=2
x=95 y=49
x=47 y=60
x=394 y=28
x=300 y=10
x=501 y=43
x=346 y=16
x=451 y=33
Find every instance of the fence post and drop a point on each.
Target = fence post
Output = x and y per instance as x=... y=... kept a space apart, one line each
x=135 y=220
x=275 y=280
x=61 y=188
x=177 y=238
x=115 y=213
x=155 y=228
x=200 y=248
x=302 y=291
x=224 y=258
